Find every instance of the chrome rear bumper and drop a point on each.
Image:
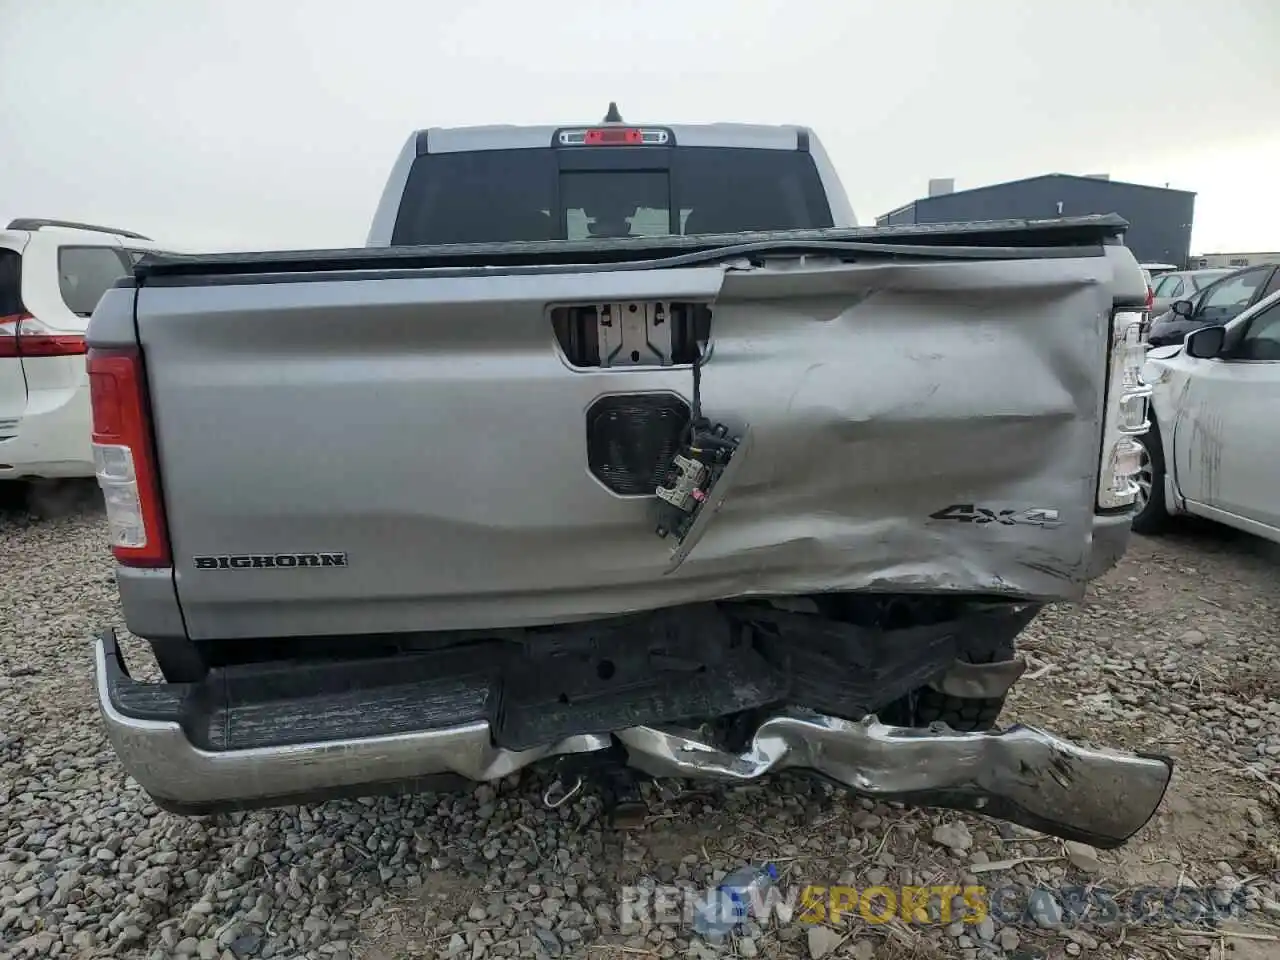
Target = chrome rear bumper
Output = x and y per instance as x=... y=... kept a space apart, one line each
x=1022 y=774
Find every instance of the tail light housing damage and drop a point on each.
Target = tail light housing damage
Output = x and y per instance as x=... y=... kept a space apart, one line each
x=124 y=458
x=22 y=335
x=1126 y=411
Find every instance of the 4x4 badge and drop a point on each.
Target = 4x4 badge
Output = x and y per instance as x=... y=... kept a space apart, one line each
x=971 y=513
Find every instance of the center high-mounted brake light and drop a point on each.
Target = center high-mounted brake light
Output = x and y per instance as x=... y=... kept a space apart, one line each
x=124 y=458
x=22 y=335
x=614 y=133
x=613 y=137
x=597 y=137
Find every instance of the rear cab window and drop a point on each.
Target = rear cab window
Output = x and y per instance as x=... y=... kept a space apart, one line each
x=489 y=196
x=86 y=273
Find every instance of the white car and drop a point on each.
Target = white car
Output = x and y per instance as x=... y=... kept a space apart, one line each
x=1213 y=449
x=52 y=274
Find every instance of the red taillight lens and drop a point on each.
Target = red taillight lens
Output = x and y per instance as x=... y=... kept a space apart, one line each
x=22 y=335
x=614 y=135
x=51 y=345
x=1151 y=297
x=124 y=458
x=9 y=334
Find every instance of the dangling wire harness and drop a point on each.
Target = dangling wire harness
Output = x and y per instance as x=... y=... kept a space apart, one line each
x=704 y=452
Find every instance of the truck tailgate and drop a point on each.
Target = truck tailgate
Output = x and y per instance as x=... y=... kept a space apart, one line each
x=429 y=429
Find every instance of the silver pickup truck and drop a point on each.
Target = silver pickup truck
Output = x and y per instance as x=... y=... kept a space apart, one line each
x=619 y=450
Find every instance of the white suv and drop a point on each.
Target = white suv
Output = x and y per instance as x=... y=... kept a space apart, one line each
x=52 y=273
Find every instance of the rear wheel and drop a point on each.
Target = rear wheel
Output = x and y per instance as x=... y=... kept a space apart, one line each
x=1152 y=514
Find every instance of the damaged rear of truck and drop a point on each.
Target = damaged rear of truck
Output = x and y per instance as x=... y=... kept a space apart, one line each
x=705 y=505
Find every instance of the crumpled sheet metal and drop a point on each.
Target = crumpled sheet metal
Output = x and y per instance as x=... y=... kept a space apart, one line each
x=1021 y=774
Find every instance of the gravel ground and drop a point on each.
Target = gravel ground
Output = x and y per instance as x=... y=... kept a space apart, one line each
x=1174 y=652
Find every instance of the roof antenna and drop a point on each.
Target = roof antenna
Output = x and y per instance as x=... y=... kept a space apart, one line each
x=613 y=116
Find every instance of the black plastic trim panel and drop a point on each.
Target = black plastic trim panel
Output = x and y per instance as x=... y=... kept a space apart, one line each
x=33 y=223
x=142 y=701
x=487 y=269
x=632 y=438
x=278 y=704
x=991 y=240
x=291 y=702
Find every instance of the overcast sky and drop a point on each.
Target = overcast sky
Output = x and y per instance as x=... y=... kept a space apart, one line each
x=267 y=124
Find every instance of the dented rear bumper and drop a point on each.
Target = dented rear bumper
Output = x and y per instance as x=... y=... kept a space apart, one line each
x=1022 y=774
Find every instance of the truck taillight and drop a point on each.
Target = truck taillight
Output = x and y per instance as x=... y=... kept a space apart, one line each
x=124 y=458
x=1126 y=411
x=22 y=335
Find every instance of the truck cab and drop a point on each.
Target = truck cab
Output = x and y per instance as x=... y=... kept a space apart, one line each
x=502 y=183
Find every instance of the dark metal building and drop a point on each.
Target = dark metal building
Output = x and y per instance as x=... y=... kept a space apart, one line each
x=1159 y=218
